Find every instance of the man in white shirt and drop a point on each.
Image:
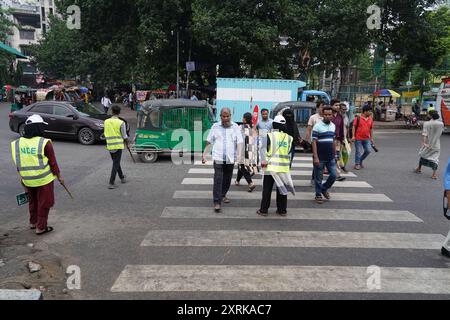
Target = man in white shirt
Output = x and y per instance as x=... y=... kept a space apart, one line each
x=106 y=103
x=227 y=144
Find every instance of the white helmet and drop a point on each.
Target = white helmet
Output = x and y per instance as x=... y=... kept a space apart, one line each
x=279 y=119
x=35 y=118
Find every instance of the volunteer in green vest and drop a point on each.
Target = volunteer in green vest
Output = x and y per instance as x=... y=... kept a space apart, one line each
x=276 y=161
x=36 y=163
x=116 y=137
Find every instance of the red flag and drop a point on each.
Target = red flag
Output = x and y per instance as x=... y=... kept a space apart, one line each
x=255 y=116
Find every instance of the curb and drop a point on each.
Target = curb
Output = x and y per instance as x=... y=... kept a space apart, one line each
x=20 y=295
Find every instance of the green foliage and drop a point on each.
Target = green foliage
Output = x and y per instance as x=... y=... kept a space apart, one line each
x=126 y=41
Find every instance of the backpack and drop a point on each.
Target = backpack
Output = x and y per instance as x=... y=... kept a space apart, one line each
x=350 y=131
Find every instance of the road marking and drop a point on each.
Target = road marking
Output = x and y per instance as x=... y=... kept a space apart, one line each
x=293 y=173
x=294 y=214
x=297 y=183
x=241 y=195
x=203 y=278
x=292 y=239
x=294 y=165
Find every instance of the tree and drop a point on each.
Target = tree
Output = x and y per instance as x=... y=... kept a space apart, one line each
x=5 y=59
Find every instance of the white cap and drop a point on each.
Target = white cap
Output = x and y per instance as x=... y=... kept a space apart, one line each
x=35 y=118
x=279 y=119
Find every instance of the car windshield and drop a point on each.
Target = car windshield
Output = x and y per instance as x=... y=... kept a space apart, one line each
x=88 y=109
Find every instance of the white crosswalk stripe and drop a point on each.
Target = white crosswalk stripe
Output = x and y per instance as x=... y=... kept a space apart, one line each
x=305 y=196
x=294 y=165
x=208 y=278
x=294 y=173
x=294 y=214
x=284 y=278
x=292 y=239
x=297 y=183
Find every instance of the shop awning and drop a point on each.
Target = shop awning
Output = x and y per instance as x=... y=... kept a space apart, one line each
x=12 y=51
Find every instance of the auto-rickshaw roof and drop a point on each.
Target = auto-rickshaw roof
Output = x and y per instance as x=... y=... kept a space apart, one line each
x=174 y=103
x=296 y=104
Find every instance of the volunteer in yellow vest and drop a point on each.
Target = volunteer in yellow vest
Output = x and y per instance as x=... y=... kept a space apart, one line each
x=276 y=161
x=36 y=163
x=116 y=137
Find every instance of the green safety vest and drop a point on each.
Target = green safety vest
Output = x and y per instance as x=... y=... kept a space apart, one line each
x=31 y=162
x=113 y=134
x=279 y=158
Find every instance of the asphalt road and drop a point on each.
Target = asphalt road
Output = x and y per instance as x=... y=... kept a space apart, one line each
x=102 y=231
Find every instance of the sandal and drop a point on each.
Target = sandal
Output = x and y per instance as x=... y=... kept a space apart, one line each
x=48 y=230
x=262 y=214
x=226 y=200
x=319 y=200
x=33 y=227
x=326 y=195
x=237 y=183
x=417 y=171
x=251 y=188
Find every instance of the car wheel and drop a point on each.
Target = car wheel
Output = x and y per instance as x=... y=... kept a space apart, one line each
x=148 y=157
x=22 y=129
x=86 y=136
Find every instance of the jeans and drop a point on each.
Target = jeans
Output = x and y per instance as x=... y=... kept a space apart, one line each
x=116 y=158
x=363 y=150
x=268 y=184
x=223 y=174
x=318 y=176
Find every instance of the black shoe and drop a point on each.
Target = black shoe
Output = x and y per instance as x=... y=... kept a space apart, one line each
x=340 y=179
x=282 y=213
x=445 y=252
x=218 y=208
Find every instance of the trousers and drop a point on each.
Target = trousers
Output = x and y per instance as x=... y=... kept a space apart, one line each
x=268 y=185
x=42 y=199
x=223 y=174
x=116 y=168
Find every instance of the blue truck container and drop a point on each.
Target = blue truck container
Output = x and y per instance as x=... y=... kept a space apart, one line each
x=242 y=95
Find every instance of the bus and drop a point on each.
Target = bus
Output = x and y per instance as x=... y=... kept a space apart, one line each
x=443 y=102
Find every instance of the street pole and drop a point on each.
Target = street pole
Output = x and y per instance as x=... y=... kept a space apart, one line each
x=178 y=64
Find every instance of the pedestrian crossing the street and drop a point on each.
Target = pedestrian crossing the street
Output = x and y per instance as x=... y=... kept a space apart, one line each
x=193 y=202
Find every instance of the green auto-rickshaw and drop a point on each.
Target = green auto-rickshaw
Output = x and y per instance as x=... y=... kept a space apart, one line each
x=167 y=126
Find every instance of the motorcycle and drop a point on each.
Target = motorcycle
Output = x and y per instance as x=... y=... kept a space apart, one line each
x=412 y=122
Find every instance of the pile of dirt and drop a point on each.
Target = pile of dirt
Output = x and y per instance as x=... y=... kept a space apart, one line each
x=19 y=248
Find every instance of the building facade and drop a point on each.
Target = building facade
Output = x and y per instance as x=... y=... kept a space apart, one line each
x=31 y=18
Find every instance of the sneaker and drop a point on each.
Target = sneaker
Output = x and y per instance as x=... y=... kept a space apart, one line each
x=124 y=180
x=319 y=200
x=112 y=187
x=445 y=252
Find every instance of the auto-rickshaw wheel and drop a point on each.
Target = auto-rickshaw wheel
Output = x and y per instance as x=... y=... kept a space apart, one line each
x=148 y=157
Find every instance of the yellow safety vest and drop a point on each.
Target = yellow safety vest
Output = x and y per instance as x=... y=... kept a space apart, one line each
x=31 y=162
x=279 y=159
x=113 y=134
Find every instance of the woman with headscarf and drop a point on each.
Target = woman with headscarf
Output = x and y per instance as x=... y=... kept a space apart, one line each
x=36 y=164
x=246 y=170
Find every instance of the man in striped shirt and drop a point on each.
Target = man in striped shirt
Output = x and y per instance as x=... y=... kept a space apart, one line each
x=324 y=152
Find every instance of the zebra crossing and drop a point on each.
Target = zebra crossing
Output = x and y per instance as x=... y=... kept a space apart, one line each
x=247 y=278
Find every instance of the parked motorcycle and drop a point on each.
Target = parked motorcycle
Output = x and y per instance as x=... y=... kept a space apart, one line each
x=412 y=122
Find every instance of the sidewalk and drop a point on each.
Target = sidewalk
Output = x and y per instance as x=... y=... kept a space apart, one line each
x=381 y=125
